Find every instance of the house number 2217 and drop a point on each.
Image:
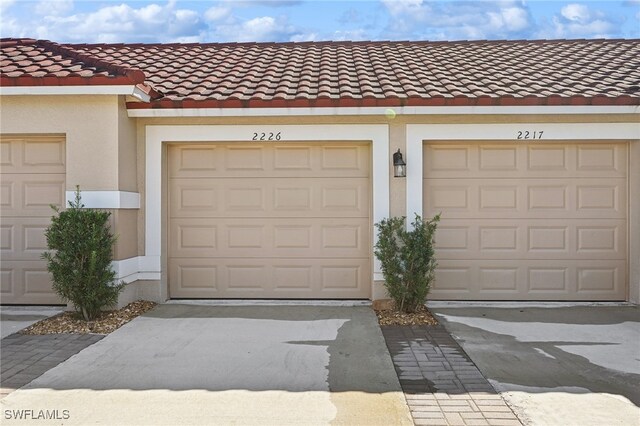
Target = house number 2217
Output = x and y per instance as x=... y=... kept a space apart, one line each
x=526 y=134
x=270 y=136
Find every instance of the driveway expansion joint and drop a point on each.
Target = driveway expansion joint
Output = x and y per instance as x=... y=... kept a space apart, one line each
x=441 y=384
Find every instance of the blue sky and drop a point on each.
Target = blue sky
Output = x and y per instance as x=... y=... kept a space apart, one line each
x=315 y=20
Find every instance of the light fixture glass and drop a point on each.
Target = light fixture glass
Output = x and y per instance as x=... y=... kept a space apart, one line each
x=399 y=166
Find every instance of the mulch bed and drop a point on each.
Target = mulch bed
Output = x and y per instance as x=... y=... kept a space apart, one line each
x=392 y=316
x=107 y=322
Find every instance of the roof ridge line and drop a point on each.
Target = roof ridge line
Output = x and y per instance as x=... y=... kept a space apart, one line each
x=349 y=42
x=136 y=75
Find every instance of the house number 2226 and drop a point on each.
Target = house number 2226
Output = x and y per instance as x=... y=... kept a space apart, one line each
x=266 y=136
x=526 y=134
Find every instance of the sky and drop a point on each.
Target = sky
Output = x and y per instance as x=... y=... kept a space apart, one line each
x=176 y=21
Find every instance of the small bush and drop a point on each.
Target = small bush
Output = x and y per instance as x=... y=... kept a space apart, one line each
x=80 y=244
x=407 y=259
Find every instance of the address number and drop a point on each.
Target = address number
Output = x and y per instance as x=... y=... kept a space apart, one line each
x=266 y=136
x=526 y=134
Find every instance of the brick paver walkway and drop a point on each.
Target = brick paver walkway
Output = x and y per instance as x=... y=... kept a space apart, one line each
x=24 y=357
x=441 y=383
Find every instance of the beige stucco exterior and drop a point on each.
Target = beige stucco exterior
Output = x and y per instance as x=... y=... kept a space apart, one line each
x=90 y=126
x=106 y=151
x=99 y=150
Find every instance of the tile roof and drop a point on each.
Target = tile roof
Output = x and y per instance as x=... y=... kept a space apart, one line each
x=29 y=62
x=559 y=72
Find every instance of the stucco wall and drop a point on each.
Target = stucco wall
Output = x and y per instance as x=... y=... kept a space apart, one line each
x=123 y=222
x=397 y=139
x=106 y=151
x=127 y=165
x=100 y=147
x=90 y=125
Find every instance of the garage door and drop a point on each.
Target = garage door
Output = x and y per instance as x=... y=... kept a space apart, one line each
x=33 y=178
x=278 y=220
x=533 y=221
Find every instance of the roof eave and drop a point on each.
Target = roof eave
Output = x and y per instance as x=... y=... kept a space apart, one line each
x=481 y=105
x=93 y=89
x=385 y=111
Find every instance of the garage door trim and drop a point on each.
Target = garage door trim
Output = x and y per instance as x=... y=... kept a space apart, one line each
x=419 y=134
x=158 y=135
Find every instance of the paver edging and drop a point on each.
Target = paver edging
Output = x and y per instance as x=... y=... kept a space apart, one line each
x=442 y=385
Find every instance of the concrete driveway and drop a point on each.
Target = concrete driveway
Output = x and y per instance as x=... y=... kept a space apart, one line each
x=15 y=318
x=577 y=365
x=187 y=364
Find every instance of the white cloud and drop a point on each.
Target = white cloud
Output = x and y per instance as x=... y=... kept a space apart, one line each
x=217 y=13
x=259 y=29
x=405 y=7
x=263 y=28
x=55 y=8
x=268 y=3
x=253 y=20
x=12 y=28
x=515 y=18
x=187 y=39
x=576 y=13
x=304 y=37
x=352 y=35
x=579 y=21
x=119 y=23
x=6 y=4
x=457 y=20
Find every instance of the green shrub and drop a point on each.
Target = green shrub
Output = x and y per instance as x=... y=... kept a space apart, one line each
x=80 y=244
x=407 y=259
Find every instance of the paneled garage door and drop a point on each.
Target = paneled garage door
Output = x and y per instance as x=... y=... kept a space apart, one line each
x=33 y=178
x=250 y=220
x=533 y=221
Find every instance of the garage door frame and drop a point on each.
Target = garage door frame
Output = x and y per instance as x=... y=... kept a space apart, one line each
x=157 y=136
x=418 y=134
x=45 y=171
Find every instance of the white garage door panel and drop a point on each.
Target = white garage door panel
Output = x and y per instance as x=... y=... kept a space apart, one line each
x=537 y=279
x=32 y=155
x=544 y=159
x=31 y=194
x=30 y=281
x=530 y=198
x=536 y=221
x=532 y=239
x=269 y=278
x=272 y=159
x=32 y=179
x=255 y=197
x=294 y=237
x=23 y=238
x=272 y=220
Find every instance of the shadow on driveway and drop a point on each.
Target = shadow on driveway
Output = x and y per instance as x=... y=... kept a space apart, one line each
x=259 y=364
x=585 y=358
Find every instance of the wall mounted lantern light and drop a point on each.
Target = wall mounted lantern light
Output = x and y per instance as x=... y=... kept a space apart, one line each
x=399 y=166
